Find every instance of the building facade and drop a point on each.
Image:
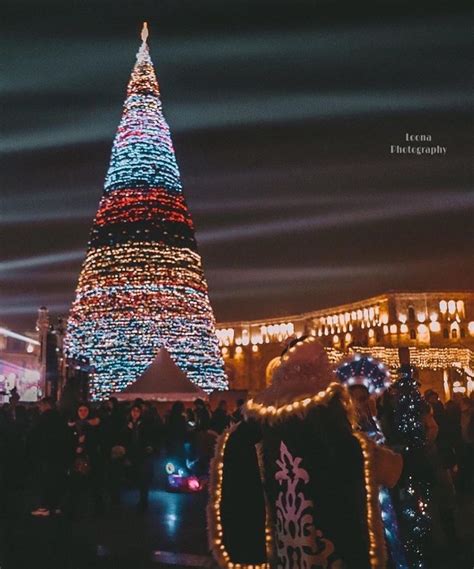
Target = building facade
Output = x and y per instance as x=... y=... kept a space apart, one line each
x=20 y=365
x=437 y=327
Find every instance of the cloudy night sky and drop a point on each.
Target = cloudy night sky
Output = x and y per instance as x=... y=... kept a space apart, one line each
x=282 y=116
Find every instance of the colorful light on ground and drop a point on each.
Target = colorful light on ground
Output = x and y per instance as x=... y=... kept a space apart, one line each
x=142 y=285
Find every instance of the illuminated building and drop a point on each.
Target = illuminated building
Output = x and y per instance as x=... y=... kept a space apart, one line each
x=19 y=364
x=142 y=285
x=437 y=327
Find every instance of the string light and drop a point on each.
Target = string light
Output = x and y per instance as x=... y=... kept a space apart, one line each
x=214 y=518
x=142 y=285
x=410 y=434
x=377 y=552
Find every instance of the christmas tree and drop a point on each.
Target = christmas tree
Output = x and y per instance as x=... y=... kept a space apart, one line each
x=415 y=484
x=142 y=285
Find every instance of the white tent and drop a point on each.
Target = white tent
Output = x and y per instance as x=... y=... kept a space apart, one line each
x=162 y=381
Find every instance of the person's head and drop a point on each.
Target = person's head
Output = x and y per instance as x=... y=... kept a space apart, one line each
x=111 y=403
x=177 y=408
x=359 y=394
x=83 y=411
x=452 y=407
x=45 y=404
x=240 y=402
x=431 y=396
x=198 y=403
x=363 y=403
x=135 y=413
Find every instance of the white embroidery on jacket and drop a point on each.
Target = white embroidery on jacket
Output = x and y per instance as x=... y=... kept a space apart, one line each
x=299 y=545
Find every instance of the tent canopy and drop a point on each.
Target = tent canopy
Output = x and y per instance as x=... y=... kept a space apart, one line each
x=162 y=380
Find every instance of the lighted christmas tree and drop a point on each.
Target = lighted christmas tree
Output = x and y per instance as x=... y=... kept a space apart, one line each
x=142 y=285
x=415 y=485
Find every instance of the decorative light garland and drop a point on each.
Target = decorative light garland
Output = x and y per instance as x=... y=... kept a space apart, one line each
x=377 y=550
x=142 y=285
x=214 y=518
x=300 y=407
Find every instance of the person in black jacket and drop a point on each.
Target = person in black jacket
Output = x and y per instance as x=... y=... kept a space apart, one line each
x=137 y=440
x=85 y=466
x=203 y=417
x=294 y=485
x=49 y=451
x=177 y=432
x=221 y=418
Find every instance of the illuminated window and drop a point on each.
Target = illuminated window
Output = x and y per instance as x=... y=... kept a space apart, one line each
x=460 y=306
x=451 y=307
x=422 y=329
x=443 y=306
x=455 y=330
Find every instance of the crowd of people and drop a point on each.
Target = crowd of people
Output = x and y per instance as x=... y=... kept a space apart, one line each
x=447 y=460
x=78 y=464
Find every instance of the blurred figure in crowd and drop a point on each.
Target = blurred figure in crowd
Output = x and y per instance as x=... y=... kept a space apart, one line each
x=139 y=449
x=220 y=418
x=177 y=430
x=237 y=415
x=86 y=462
x=202 y=415
x=49 y=450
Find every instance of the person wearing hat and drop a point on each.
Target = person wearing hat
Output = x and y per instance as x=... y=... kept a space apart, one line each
x=295 y=486
x=366 y=378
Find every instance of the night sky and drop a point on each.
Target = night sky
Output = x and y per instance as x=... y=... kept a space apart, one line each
x=282 y=116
